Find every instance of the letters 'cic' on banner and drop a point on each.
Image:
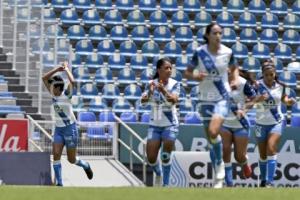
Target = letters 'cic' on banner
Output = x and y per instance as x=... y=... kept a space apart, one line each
x=13 y=135
x=194 y=169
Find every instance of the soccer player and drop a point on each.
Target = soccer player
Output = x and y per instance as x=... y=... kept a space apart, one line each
x=236 y=127
x=209 y=65
x=162 y=93
x=269 y=121
x=65 y=122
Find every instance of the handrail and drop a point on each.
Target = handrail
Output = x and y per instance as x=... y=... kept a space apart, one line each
x=39 y=127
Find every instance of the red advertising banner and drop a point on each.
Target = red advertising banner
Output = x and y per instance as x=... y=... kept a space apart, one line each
x=13 y=135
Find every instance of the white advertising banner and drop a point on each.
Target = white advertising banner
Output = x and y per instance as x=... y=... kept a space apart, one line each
x=194 y=169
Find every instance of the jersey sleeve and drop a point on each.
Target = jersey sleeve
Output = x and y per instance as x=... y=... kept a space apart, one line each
x=193 y=61
x=176 y=89
x=249 y=90
x=232 y=61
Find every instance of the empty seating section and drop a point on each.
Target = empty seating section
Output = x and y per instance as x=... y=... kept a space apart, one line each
x=115 y=45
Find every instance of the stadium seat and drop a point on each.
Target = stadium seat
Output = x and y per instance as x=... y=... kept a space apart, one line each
x=60 y=4
x=23 y=15
x=290 y=92
x=247 y=20
x=269 y=20
x=291 y=37
x=279 y=8
x=118 y=34
x=132 y=92
x=180 y=19
x=146 y=75
x=138 y=62
x=147 y=6
x=298 y=53
x=162 y=34
x=291 y=21
x=200 y=34
x=182 y=62
x=235 y=7
x=283 y=52
x=94 y=61
x=202 y=19
x=172 y=49
x=104 y=75
x=48 y=59
x=140 y=34
x=39 y=3
x=86 y=116
x=294 y=67
x=124 y=6
x=248 y=36
x=213 y=6
x=69 y=17
x=176 y=74
x=288 y=78
x=98 y=104
x=91 y=17
x=229 y=36
x=145 y=117
x=77 y=103
x=192 y=118
x=34 y=32
x=54 y=31
x=261 y=51
x=97 y=33
x=128 y=117
x=103 y=5
x=49 y=16
x=81 y=75
x=76 y=32
x=128 y=48
x=82 y=5
x=110 y=91
x=88 y=91
x=251 y=64
x=191 y=6
x=269 y=36
x=126 y=76
x=39 y=45
x=186 y=106
x=296 y=8
x=240 y=50
x=225 y=19
x=84 y=47
x=116 y=61
x=257 y=7
x=150 y=49
x=191 y=48
x=120 y=105
x=106 y=48
x=278 y=64
x=107 y=116
x=75 y=60
x=169 y=6
x=195 y=91
x=113 y=17
x=136 y=18
x=183 y=35
x=142 y=108
x=63 y=47
x=158 y=18
x=295 y=116
x=182 y=93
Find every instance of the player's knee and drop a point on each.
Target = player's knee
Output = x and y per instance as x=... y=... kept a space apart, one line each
x=165 y=157
x=56 y=156
x=213 y=132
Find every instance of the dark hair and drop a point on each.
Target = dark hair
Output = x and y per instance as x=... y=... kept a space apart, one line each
x=159 y=63
x=57 y=82
x=246 y=75
x=269 y=64
x=208 y=30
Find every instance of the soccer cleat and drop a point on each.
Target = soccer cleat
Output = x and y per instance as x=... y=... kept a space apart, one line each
x=220 y=171
x=59 y=184
x=89 y=172
x=218 y=184
x=157 y=181
x=263 y=183
x=269 y=185
x=247 y=171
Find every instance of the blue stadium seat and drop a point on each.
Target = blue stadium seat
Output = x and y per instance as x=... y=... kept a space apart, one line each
x=91 y=17
x=128 y=48
x=169 y=6
x=113 y=17
x=261 y=51
x=146 y=75
x=104 y=75
x=110 y=91
x=106 y=48
x=98 y=104
x=103 y=5
x=288 y=78
x=251 y=64
x=125 y=6
x=69 y=17
x=107 y=116
x=145 y=117
x=176 y=74
x=225 y=19
x=291 y=21
x=150 y=49
x=86 y=116
x=118 y=34
x=278 y=64
x=294 y=67
x=247 y=20
x=279 y=8
x=54 y=31
x=257 y=7
x=94 y=61
x=23 y=15
x=75 y=60
x=116 y=61
x=240 y=50
x=63 y=47
x=162 y=34
x=84 y=47
x=213 y=6
x=81 y=74
x=140 y=34
x=298 y=53
x=269 y=36
x=283 y=52
x=183 y=35
x=269 y=20
x=76 y=32
x=97 y=33
x=180 y=19
x=191 y=48
x=290 y=93
x=48 y=59
x=158 y=18
x=60 y=4
x=138 y=62
x=37 y=46
x=147 y=6
x=195 y=91
x=192 y=118
x=35 y=32
x=129 y=117
x=39 y=3
x=235 y=7
x=229 y=36
x=248 y=36
x=88 y=91
x=121 y=105
x=191 y=6
x=49 y=16
x=132 y=92
x=186 y=106
x=77 y=103
x=172 y=49
x=296 y=8
x=295 y=117
x=142 y=108
x=202 y=19
x=82 y=5
x=182 y=62
x=291 y=37
x=136 y=18
x=200 y=34
x=182 y=93
x=126 y=76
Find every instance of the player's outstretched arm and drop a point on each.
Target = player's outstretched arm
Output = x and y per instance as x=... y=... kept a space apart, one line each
x=49 y=74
